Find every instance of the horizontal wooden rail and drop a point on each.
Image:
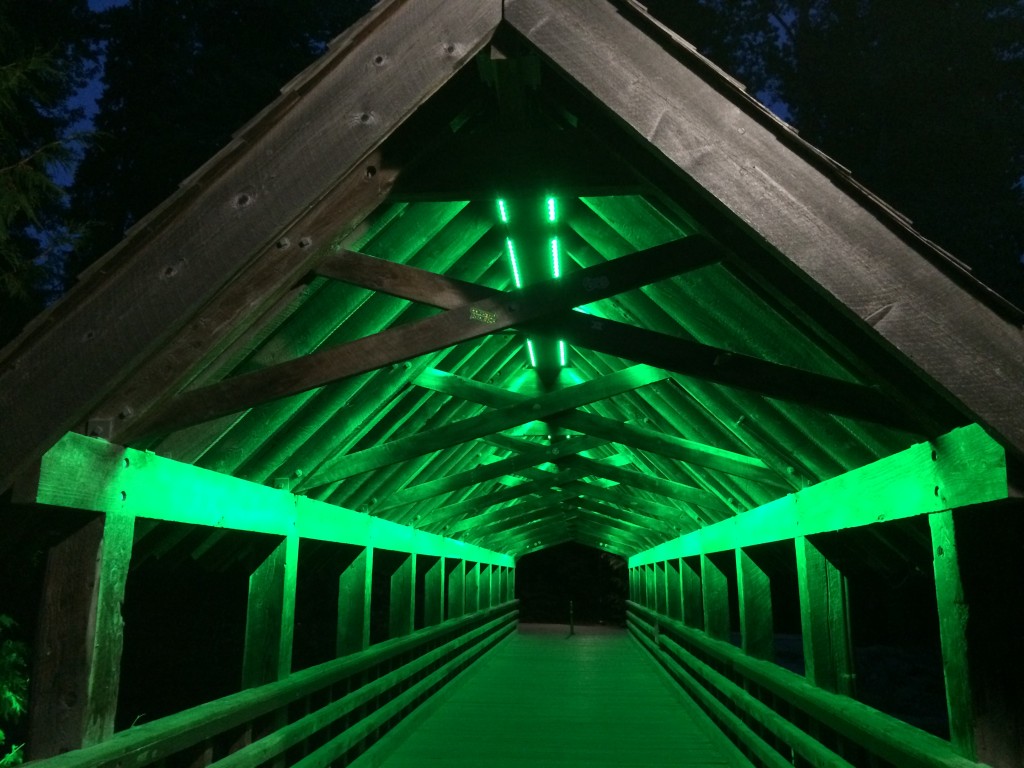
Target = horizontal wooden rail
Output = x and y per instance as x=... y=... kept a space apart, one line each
x=458 y=640
x=886 y=737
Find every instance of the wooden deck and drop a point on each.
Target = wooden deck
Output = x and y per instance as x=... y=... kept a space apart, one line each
x=542 y=698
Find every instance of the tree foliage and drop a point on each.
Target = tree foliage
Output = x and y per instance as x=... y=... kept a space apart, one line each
x=181 y=76
x=923 y=102
x=44 y=58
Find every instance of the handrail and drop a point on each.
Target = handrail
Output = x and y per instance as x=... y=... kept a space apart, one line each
x=143 y=744
x=881 y=734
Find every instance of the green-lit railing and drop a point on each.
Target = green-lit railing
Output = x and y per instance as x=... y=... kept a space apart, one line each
x=315 y=717
x=774 y=715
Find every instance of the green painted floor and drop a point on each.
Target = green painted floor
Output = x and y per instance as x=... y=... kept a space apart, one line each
x=542 y=698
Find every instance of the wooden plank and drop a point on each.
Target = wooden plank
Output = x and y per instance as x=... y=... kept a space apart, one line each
x=715 y=596
x=824 y=620
x=433 y=594
x=457 y=590
x=673 y=590
x=963 y=467
x=270 y=616
x=402 y=598
x=722 y=141
x=77 y=663
x=693 y=592
x=473 y=588
x=90 y=474
x=683 y=520
x=355 y=590
x=530 y=409
x=404 y=342
x=754 y=592
x=626 y=434
x=183 y=253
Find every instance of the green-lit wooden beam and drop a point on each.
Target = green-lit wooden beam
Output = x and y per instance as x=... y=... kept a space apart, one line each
x=393 y=345
x=90 y=474
x=646 y=482
x=598 y=426
x=685 y=519
x=503 y=518
x=633 y=519
x=529 y=409
x=963 y=467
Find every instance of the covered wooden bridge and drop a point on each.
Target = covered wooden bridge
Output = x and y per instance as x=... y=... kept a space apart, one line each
x=488 y=278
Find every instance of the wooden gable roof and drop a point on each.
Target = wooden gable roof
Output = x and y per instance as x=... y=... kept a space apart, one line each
x=328 y=305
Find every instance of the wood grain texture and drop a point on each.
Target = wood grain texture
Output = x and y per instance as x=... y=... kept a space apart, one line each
x=182 y=254
x=590 y=699
x=865 y=261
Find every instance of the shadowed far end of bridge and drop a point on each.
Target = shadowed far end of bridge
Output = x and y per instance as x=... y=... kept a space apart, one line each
x=544 y=697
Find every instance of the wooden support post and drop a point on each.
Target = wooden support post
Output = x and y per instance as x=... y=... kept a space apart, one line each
x=402 y=606
x=496 y=584
x=674 y=587
x=693 y=595
x=78 y=655
x=355 y=585
x=660 y=589
x=270 y=618
x=457 y=591
x=715 y=592
x=755 y=603
x=651 y=582
x=511 y=595
x=824 y=619
x=503 y=588
x=632 y=585
x=977 y=561
x=433 y=594
x=486 y=575
x=473 y=589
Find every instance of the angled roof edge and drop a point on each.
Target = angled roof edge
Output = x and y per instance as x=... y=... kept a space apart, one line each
x=269 y=200
x=877 y=268
x=255 y=218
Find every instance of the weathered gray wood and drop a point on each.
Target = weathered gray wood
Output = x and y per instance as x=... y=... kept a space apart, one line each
x=759 y=170
x=402 y=598
x=183 y=253
x=824 y=620
x=715 y=596
x=754 y=593
x=270 y=617
x=355 y=588
x=78 y=651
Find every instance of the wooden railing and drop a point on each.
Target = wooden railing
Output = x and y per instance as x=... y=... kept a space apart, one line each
x=314 y=717
x=774 y=715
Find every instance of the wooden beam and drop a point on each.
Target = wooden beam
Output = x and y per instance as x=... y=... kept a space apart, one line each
x=457 y=590
x=91 y=474
x=355 y=590
x=715 y=594
x=963 y=467
x=402 y=598
x=433 y=594
x=673 y=590
x=270 y=617
x=813 y=218
x=77 y=666
x=178 y=257
x=693 y=592
x=385 y=454
x=754 y=592
x=684 y=519
x=404 y=342
x=824 y=620
x=609 y=429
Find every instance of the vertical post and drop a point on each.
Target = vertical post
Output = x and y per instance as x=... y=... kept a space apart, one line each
x=511 y=595
x=660 y=589
x=457 y=590
x=503 y=587
x=715 y=592
x=484 y=587
x=693 y=596
x=977 y=562
x=496 y=575
x=433 y=594
x=270 y=618
x=78 y=652
x=674 y=589
x=473 y=589
x=651 y=587
x=355 y=585
x=755 y=604
x=632 y=585
x=402 y=607
x=824 y=619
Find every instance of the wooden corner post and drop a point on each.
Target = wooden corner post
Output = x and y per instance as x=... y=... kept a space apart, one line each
x=355 y=585
x=270 y=618
x=824 y=619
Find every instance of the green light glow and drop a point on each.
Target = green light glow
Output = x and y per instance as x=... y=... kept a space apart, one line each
x=515 y=264
x=529 y=350
x=555 y=261
x=503 y=211
x=552 y=214
x=563 y=355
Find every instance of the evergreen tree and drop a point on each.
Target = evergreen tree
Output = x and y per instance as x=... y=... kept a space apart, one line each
x=44 y=58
